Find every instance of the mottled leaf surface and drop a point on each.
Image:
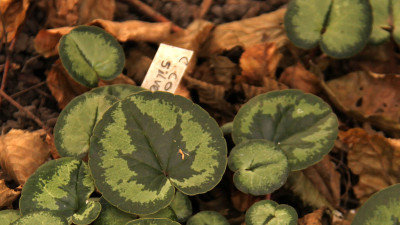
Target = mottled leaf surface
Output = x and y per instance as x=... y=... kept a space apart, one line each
x=260 y=168
x=119 y=91
x=207 y=217
x=382 y=208
x=158 y=221
x=163 y=213
x=304 y=21
x=380 y=14
x=396 y=20
x=268 y=212
x=61 y=185
x=302 y=125
x=110 y=215
x=150 y=143
x=75 y=124
x=182 y=206
x=41 y=218
x=87 y=213
x=8 y=216
x=89 y=53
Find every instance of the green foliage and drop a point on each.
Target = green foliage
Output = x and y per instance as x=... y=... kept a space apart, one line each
x=341 y=27
x=89 y=53
x=148 y=144
x=110 y=215
x=271 y=213
x=381 y=208
x=157 y=221
x=207 y=217
x=9 y=216
x=41 y=218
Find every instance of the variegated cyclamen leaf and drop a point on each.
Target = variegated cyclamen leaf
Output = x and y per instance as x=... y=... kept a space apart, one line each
x=75 y=123
x=110 y=215
x=41 y=218
x=88 y=213
x=304 y=21
x=157 y=221
x=302 y=125
x=268 y=212
x=396 y=21
x=166 y=212
x=207 y=217
x=89 y=53
x=182 y=206
x=382 y=207
x=148 y=144
x=8 y=216
x=61 y=185
x=260 y=168
x=119 y=91
x=380 y=14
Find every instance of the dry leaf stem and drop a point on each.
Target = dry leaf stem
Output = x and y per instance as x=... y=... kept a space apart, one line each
x=6 y=65
x=156 y=16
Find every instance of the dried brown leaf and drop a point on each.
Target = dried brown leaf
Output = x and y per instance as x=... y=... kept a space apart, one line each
x=259 y=61
x=7 y=195
x=138 y=61
x=368 y=97
x=76 y=12
x=13 y=12
x=21 y=153
x=374 y=158
x=62 y=86
x=314 y=218
x=46 y=41
x=120 y=79
x=297 y=77
x=251 y=91
x=247 y=32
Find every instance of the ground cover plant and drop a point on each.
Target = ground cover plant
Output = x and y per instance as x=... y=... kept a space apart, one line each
x=260 y=131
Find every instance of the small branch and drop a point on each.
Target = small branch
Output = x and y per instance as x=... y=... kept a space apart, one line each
x=148 y=11
x=204 y=7
x=28 y=89
x=6 y=66
x=28 y=113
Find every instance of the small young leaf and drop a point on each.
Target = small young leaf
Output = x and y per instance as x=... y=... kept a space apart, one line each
x=166 y=212
x=182 y=206
x=119 y=91
x=75 y=124
x=157 y=221
x=207 y=217
x=88 y=213
x=61 y=185
x=8 y=216
x=380 y=13
x=302 y=125
x=270 y=213
x=89 y=53
x=259 y=167
x=41 y=218
x=110 y=215
x=150 y=143
x=381 y=208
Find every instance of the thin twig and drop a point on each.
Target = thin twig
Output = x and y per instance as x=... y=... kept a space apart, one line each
x=28 y=113
x=28 y=89
x=6 y=66
x=150 y=12
x=204 y=7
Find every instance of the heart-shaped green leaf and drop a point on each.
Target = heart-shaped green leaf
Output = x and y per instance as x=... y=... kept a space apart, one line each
x=163 y=213
x=260 y=168
x=88 y=213
x=158 y=221
x=302 y=125
x=207 y=217
x=89 y=53
x=341 y=27
x=41 y=218
x=148 y=144
x=380 y=14
x=110 y=215
x=119 y=91
x=75 y=124
x=63 y=185
x=382 y=207
x=8 y=216
x=268 y=212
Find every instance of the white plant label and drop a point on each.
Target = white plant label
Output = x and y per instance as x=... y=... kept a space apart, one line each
x=167 y=69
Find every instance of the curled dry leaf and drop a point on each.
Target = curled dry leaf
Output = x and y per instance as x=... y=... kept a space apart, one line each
x=22 y=152
x=314 y=218
x=297 y=77
x=247 y=32
x=46 y=41
x=7 y=195
x=62 y=86
x=120 y=79
x=259 y=61
x=251 y=91
x=374 y=158
x=13 y=12
x=368 y=97
x=138 y=61
x=76 y=12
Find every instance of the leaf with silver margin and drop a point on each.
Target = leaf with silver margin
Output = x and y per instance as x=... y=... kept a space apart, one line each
x=382 y=207
x=207 y=217
x=182 y=206
x=157 y=221
x=119 y=91
x=260 y=168
x=63 y=185
x=8 y=216
x=268 y=212
x=302 y=125
x=88 y=213
x=75 y=123
x=148 y=144
x=41 y=218
x=89 y=53
x=110 y=215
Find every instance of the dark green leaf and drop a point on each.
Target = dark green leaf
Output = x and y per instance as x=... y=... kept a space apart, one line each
x=41 y=218
x=207 y=218
x=268 y=212
x=110 y=215
x=182 y=206
x=158 y=221
x=380 y=13
x=8 y=216
x=119 y=91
